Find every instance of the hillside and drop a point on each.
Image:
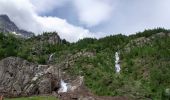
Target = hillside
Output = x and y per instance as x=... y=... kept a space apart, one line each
x=144 y=61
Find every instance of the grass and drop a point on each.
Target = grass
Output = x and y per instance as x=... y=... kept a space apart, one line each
x=34 y=98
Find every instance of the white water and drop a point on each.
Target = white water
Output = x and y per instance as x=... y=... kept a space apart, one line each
x=117 y=65
x=63 y=87
x=50 y=58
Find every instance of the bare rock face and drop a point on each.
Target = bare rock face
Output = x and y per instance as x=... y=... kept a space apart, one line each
x=51 y=38
x=19 y=77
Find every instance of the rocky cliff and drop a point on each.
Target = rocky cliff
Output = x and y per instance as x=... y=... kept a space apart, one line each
x=19 y=77
x=7 y=26
x=50 y=38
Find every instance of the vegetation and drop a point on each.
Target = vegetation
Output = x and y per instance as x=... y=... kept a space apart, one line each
x=9 y=45
x=145 y=68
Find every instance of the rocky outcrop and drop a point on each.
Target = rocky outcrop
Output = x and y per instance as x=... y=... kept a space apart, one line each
x=51 y=38
x=161 y=35
x=141 y=41
x=68 y=60
x=19 y=77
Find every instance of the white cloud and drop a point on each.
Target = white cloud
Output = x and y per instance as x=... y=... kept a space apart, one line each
x=94 y=12
x=108 y=16
x=137 y=15
x=43 y=6
x=22 y=12
x=90 y=12
x=65 y=29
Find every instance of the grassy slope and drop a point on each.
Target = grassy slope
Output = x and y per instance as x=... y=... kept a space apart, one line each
x=147 y=69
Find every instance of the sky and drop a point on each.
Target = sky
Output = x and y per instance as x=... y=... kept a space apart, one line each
x=77 y=19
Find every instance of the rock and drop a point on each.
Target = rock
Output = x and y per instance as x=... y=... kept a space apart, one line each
x=19 y=77
x=167 y=92
x=51 y=38
x=70 y=59
x=161 y=34
x=86 y=98
x=45 y=86
x=139 y=42
x=75 y=84
x=169 y=34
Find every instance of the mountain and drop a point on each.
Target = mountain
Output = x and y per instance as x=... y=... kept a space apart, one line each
x=7 y=26
x=88 y=67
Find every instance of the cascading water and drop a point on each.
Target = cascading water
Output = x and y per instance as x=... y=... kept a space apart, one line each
x=63 y=87
x=117 y=65
x=50 y=58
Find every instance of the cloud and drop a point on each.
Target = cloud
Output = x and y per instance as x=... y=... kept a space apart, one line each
x=103 y=17
x=67 y=30
x=132 y=16
x=94 y=12
x=89 y=12
x=43 y=6
x=23 y=13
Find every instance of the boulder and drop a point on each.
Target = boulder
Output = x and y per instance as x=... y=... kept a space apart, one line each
x=19 y=77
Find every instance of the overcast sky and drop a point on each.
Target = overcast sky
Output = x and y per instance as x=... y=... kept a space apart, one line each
x=76 y=19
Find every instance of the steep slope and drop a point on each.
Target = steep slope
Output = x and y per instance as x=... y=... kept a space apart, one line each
x=39 y=48
x=146 y=65
x=6 y=25
x=144 y=62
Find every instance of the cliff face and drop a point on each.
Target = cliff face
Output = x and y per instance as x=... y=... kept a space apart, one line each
x=50 y=38
x=19 y=77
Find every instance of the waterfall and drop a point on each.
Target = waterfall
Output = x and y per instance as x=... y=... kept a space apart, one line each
x=50 y=58
x=117 y=65
x=63 y=87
